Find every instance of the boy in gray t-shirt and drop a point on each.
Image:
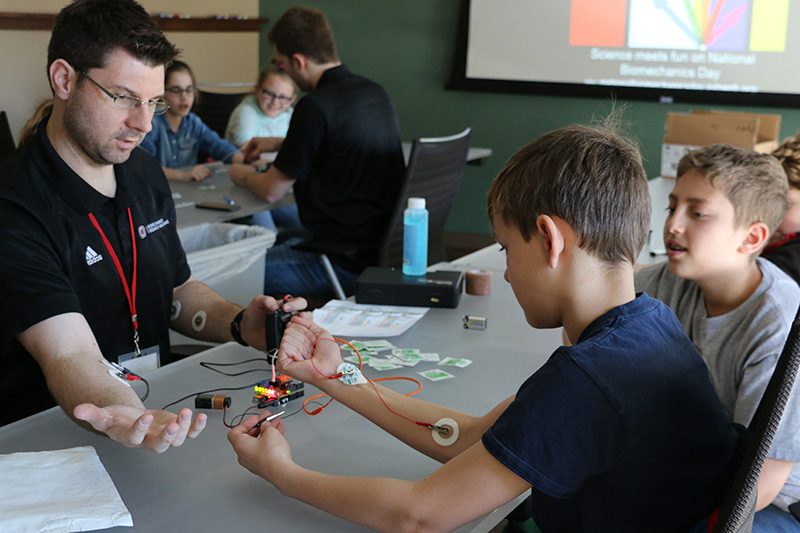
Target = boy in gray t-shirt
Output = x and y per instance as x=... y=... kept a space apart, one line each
x=736 y=309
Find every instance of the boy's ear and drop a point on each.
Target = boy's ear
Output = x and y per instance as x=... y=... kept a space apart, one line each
x=757 y=235
x=553 y=238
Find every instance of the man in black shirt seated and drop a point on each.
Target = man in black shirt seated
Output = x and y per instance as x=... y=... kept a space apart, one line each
x=342 y=155
x=92 y=271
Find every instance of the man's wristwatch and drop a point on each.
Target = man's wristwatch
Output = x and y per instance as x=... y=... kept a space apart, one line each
x=236 y=328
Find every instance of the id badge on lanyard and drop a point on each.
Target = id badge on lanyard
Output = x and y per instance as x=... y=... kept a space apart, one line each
x=138 y=360
x=146 y=361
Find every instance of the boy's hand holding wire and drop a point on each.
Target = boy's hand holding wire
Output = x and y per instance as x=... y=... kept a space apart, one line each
x=263 y=451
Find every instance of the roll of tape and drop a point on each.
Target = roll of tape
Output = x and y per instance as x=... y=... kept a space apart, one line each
x=479 y=282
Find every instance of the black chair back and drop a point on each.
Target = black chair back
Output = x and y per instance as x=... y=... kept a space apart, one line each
x=738 y=506
x=215 y=109
x=7 y=145
x=434 y=171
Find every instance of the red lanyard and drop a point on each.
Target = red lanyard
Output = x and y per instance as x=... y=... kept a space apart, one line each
x=130 y=293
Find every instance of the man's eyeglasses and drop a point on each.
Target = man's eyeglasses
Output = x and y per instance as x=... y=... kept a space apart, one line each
x=177 y=90
x=125 y=101
x=282 y=100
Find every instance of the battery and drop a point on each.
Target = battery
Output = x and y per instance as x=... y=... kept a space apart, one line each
x=474 y=322
x=212 y=401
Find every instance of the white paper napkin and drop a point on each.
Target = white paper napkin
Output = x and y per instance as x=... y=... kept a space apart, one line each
x=58 y=491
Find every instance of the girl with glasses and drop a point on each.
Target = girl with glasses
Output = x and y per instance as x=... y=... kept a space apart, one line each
x=178 y=136
x=266 y=112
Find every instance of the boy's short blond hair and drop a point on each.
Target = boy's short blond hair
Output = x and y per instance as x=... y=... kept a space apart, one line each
x=788 y=154
x=754 y=183
x=590 y=177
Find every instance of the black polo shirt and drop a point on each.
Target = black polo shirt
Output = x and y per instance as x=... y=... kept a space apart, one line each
x=343 y=148
x=54 y=261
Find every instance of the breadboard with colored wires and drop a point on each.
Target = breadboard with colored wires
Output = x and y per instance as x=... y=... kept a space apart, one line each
x=277 y=392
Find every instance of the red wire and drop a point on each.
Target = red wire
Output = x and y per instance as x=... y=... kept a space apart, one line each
x=335 y=376
x=370 y=381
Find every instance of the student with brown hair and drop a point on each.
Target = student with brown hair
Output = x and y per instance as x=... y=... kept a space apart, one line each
x=735 y=306
x=179 y=136
x=620 y=432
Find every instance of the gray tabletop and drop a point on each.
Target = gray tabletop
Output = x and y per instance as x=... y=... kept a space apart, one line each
x=216 y=189
x=201 y=487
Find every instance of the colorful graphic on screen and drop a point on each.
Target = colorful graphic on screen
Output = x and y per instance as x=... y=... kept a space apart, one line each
x=719 y=25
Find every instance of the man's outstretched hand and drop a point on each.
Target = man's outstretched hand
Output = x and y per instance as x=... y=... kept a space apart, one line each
x=147 y=429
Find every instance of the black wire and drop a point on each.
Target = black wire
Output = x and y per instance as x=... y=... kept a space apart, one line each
x=211 y=366
x=147 y=390
x=140 y=378
x=241 y=416
x=209 y=391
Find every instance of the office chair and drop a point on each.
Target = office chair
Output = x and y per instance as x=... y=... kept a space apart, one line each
x=434 y=170
x=738 y=506
x=7 y=145
x=215 y=108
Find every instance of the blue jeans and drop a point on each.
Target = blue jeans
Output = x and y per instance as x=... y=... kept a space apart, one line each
x=285 y=217
x=770 y=518
x=295 y=272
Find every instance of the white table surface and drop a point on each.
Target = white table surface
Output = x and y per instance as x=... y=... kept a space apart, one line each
x=201 y=487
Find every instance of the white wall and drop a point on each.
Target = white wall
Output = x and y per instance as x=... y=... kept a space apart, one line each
x=214 y=56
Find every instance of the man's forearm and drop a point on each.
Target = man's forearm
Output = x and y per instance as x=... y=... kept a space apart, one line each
x=271 y=185
x=76 y=380
x=67 y=352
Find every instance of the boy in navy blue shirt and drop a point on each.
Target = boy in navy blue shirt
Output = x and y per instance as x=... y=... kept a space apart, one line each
x=620 y=432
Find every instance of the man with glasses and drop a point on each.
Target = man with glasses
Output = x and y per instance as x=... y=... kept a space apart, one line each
x=342 y=155
x=92 y=272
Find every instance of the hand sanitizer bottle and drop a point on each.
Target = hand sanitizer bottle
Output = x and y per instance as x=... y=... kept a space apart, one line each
x=415 y=238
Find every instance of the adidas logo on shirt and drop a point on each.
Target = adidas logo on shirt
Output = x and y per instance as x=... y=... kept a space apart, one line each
x=92 y=257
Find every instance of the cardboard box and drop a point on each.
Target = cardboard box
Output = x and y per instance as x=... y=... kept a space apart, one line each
x=700 y=127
